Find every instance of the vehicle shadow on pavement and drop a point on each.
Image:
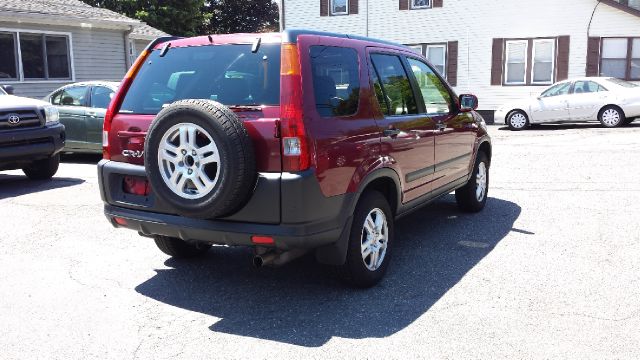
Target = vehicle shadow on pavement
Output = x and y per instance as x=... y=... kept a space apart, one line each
x=555 y=127
x=298 y=304
x=81 y=158
x=17 y=185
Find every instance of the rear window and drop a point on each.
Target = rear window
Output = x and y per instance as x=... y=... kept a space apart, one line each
x=229 y=74
x=622 y=83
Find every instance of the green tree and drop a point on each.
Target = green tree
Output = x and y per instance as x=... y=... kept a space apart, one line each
x=233 y=16
x=199 y=17
x=176 y=17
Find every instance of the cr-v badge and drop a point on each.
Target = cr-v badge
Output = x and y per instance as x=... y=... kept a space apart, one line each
x=133 y=153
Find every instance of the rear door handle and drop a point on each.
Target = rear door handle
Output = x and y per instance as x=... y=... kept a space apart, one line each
x=391 y=132
x=92 y=113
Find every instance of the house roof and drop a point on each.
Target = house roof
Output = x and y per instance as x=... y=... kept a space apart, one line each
x=633 y=10
x=58 y=10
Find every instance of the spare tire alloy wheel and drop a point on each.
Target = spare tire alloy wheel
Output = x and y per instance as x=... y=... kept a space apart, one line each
x=200 y=159
x=189 y=161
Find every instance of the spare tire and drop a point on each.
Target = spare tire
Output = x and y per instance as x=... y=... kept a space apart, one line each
x=199 y=159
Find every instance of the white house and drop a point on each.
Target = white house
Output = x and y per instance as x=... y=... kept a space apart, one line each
x=499 y=50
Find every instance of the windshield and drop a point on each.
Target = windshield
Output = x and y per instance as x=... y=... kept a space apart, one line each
x=2 y=92
x=622 y=83
x=229 y=74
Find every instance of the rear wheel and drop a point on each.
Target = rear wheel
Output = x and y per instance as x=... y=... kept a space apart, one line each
x=517 y=120
x=178 y=248
x=43 y=169
x=611 y=116
x=628 y=121
x=370 y=241
x=473 y=196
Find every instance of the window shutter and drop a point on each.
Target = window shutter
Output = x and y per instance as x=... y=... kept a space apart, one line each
x=324 y=7
x=452 y=63
x=496 y=61
x=437 y=3
x=353 y=7
x=593 y=56
x=404 y=4
x=564 y=43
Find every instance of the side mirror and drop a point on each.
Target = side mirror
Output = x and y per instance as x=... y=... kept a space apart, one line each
x=9 y=89
x=468 y=102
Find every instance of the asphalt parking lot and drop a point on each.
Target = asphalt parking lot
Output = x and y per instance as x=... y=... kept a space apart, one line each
x=550 y=269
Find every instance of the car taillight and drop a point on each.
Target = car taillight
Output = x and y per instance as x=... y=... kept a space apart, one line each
x=295 y=145
x=135 y=185
x=116 y=102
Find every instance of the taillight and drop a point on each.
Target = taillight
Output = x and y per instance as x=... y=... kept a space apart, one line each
x=116 y=102
x=295 y=145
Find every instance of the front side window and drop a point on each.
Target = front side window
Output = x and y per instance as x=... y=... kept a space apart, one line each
x=71 y=96
x=516 y=62
x=8 y=60
x=583 y=87
x=336 y=82
x=395 y=85
x=436 y=54
x=101 y=97
x=437 y=99
x=420 y=4
x=543 y=64
x=339 y=7
x=557 y=90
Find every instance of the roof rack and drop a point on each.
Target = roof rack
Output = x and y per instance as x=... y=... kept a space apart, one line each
x=291 y=36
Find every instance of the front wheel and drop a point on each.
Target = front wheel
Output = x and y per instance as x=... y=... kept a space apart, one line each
x=178 y=248
x=473 y=196
x=611 y=116
x=370 y=240
x=517 y=120
x=43 y=169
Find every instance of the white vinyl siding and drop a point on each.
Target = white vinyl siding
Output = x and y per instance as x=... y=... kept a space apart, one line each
x=339 y=7
x=516 y=62
x=544 y=55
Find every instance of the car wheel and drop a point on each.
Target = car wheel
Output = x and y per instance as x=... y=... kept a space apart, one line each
x=628 y=121
x=370 y=240
x=611 y=116
x=473 y=196
x=199 y=159
x=178 y=248
x=517 y=120
x=43 y=169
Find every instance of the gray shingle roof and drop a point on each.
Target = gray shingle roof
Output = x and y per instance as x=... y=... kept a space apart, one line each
x=76 y=9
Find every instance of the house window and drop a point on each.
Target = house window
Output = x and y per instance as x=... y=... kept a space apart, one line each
x=416 y=48
x=436 y=54
x=516 y=62
x=543 y=61
x=339 y=7
x=420 y=4
x=620 y=58
x=34 y=56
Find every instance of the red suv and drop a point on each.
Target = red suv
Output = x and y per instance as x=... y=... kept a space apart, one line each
x=292 y=142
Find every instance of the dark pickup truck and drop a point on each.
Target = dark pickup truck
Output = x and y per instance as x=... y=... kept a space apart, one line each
x=31 y=137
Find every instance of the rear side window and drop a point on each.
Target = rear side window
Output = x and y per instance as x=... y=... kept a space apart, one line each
x=336 y=83
x=101 y=97
x=229 y=74
x=581 y=87
x=395 y=85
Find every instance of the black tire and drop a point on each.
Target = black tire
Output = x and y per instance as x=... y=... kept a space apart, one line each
x=180 y=249
x=466 y=196
x=236 y=170
x=355 y=271
x=43 y=169
x=628 y=121
x=614 y=110
x=512 y=123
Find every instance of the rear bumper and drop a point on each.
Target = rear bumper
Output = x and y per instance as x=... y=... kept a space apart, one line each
x=289 y=207
x=30 y=144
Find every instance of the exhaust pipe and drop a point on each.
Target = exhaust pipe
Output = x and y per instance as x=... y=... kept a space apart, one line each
x=277 y=259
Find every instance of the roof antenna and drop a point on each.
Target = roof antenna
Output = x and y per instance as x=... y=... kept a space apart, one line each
x=210 y=38
x=256 y=45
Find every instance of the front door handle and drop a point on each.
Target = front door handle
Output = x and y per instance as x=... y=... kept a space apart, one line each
x=92 y=113
x=391 y=132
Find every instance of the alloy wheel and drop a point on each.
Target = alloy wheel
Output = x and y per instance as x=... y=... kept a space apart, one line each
x=518 y=120
x=611 y=117
x=481 y=181
x=374 y=239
